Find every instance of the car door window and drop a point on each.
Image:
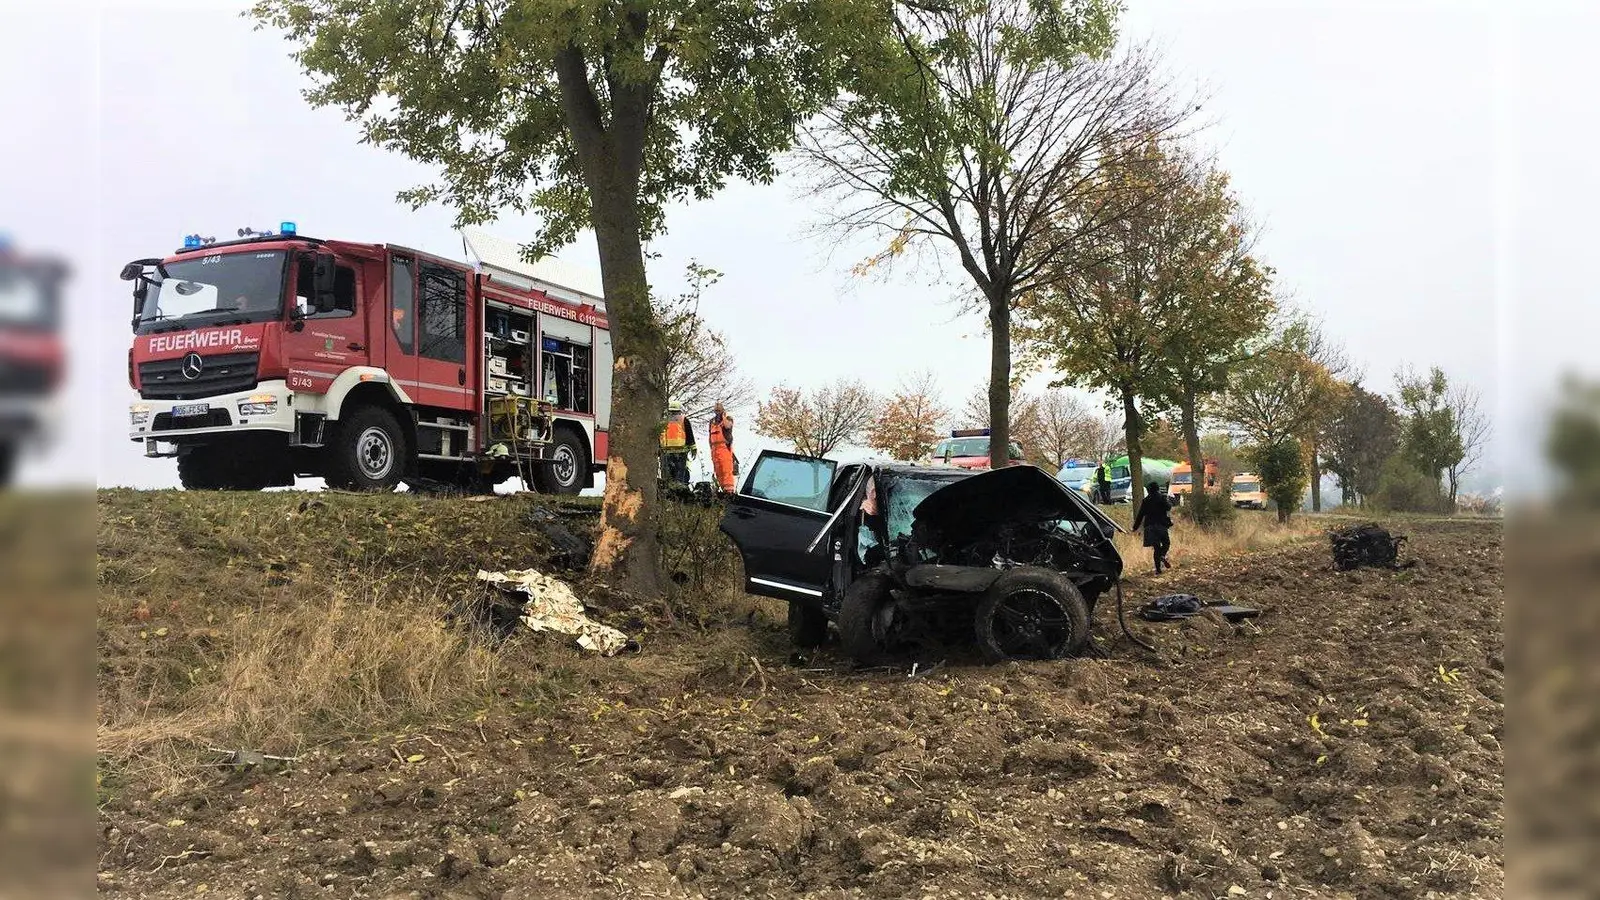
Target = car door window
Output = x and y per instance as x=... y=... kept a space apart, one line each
x=793 y=480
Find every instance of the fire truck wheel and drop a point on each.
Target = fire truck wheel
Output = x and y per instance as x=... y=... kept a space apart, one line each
x=368 y=452
x=564 y=473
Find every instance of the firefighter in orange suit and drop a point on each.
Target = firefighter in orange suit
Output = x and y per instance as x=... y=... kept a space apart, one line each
x=720 y=434
x=677 y=444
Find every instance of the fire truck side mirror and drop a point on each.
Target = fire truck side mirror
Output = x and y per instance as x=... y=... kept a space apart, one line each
x=323 y=276
x=131 y=272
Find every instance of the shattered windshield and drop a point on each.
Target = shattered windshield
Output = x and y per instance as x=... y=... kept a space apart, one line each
x=207 y=290
x=903 y=493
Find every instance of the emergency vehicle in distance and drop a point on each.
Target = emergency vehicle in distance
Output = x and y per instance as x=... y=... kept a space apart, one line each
x=279 y=355
x=968 y=448
x=1183 y=479
x=31 y=356
x=1247 y=492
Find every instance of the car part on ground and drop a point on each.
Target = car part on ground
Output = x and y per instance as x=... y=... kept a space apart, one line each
x=1170 y=607
x=1367 y=544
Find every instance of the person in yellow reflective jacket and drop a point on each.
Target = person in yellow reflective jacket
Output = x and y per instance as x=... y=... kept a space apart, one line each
x=677 y=444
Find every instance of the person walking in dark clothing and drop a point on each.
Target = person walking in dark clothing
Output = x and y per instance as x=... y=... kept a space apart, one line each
x=1103 y=483
x=1155 y=515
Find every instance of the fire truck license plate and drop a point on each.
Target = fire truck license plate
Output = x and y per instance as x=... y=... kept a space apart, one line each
x=190 y=409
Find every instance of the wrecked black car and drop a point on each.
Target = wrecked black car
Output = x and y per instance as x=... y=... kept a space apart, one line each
x=903 y=558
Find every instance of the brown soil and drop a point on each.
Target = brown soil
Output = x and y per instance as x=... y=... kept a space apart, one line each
x=1350 y=745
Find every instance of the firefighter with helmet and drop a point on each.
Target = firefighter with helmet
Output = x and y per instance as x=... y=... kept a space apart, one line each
x=677 y=444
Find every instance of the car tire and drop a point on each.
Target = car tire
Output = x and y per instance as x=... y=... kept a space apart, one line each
x=808 y=627
x=861 y=626
x=569 y=461
x=1031 y=613
x=368 y=451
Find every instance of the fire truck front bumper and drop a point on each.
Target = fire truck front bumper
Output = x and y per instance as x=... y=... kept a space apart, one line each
x=267 y=407
x=29 y=420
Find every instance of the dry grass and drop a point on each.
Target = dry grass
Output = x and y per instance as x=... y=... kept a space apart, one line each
x=1248 y=532
x=274 y=622
x=272 y=678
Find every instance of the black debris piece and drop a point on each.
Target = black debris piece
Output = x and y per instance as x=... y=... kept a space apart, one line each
x=1171 y=606
x=569 y=549
x=1367 y=544
x=1182 y=606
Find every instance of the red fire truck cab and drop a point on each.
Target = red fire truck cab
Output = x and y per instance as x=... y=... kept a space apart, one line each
x=279 y=355
x=31 y=358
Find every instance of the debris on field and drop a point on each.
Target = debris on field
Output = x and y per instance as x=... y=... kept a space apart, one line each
x=549 y=604
x=1182 y=606
x=1368 y=544
x=569 y=549
x=245 y=760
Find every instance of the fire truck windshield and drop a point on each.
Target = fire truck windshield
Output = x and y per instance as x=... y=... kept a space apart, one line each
x=208 y=290
x=26 y=298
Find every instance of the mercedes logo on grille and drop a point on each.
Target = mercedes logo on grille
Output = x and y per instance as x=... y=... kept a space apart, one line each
x=192 y=364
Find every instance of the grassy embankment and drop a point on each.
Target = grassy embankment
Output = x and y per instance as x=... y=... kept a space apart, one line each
x=279 y=621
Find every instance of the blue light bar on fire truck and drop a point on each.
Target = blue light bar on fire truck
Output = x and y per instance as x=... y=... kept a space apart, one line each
x=287 y=228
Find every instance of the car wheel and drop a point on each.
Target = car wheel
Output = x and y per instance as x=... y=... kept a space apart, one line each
x=865 y=618
x=1031 y=613
x=808 y=627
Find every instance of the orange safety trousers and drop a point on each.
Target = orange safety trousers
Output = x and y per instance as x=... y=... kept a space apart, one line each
x=722 y=453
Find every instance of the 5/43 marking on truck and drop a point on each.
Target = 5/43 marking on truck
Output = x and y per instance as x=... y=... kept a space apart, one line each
x=300 y=381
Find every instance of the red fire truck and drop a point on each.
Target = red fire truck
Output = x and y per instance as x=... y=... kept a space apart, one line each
x=31 y=363
x=279 y=355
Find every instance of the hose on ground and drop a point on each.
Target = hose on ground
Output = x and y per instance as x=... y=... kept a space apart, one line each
x=1123 y=621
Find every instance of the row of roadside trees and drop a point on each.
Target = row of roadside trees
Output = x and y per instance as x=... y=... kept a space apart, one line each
x=1015 y=135
x=909 y=422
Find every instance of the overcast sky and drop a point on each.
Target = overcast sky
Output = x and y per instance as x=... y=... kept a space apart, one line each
x=1424 y=173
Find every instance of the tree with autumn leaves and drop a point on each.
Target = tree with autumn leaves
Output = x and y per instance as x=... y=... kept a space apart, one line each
x=595 y=115
x=987 y=132
x=1172 y=296
x=911 y=421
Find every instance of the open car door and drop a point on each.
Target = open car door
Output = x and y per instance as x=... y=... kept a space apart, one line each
x=775 y=520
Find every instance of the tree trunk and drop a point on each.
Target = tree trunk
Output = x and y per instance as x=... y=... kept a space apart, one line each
x=1132 y=427
x=1191 y=443
x=628 y=551
x=1283 y=514
x=1316 y=477
x=999 y=381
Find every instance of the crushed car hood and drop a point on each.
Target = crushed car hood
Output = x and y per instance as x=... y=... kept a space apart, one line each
x=974 y=505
